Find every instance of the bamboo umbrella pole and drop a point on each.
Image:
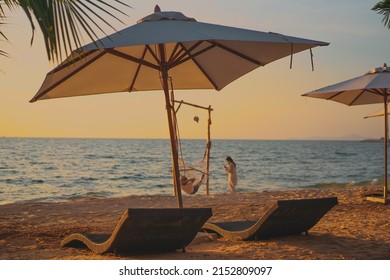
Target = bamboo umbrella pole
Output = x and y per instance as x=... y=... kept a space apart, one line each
x=208 y=152
x=172 y=130
x=385 y=145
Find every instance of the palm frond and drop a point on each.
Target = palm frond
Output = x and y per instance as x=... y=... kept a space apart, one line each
x=3 y=37
x=383 y=8
x=11 y=4
x=65 y=23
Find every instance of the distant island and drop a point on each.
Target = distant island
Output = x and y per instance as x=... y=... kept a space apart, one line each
x=373 y=140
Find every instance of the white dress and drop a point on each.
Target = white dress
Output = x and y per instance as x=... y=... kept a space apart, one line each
x=232 y=177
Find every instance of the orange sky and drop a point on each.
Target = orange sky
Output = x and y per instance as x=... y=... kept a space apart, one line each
x=265 y=104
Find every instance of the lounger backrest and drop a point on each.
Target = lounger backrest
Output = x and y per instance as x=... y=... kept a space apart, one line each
x=288 y=217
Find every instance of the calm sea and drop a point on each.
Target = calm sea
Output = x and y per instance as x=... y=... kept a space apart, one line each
x=35 y=169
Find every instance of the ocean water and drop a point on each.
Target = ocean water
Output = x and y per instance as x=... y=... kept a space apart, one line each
x=45 y=169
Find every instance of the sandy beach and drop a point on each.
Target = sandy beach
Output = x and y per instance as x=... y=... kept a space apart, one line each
x=354 y=229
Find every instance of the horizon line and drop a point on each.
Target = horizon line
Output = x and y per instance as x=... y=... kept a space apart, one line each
x=359 y=138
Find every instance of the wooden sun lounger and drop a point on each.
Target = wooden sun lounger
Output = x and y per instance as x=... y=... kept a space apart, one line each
x=286 y=217
x=146 y=230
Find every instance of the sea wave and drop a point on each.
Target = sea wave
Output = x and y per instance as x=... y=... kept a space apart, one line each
x=33 y=169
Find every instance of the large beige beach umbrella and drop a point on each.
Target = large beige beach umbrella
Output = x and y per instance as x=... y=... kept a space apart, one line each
x=371 y=88
x=167 y=49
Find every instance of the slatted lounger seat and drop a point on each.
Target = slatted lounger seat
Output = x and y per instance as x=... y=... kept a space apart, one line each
x=146 y=230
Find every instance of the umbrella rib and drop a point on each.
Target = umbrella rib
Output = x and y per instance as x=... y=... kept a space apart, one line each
x=212 y=45
x=190 y=56
x=357 y=97
x=333 y=96
x=374 y=91
x=78 y=58
x=174 y=54
x=153 y=54
x=132 y=58
x=177 y=60
x=236 y=53
x=68 y=76
x=137 y=71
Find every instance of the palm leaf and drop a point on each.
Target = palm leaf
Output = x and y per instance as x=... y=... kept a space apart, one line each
x=3 y=37
x=65 y=23
x=383 y=8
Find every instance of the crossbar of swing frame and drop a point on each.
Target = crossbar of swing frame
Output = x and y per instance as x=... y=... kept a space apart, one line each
x=193 y=105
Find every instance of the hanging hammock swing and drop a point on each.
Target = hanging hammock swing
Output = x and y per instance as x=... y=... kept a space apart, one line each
x=192 y=175
x=190 y=172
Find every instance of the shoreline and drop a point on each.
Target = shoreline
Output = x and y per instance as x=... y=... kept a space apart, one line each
x=353 y=229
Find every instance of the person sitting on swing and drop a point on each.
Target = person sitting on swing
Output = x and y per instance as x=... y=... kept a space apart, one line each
x=188 y=185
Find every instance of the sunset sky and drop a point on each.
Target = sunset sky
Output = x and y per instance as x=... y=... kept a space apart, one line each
x=265 y=104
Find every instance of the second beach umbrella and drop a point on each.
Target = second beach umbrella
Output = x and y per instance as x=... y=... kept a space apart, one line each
x=371 y=88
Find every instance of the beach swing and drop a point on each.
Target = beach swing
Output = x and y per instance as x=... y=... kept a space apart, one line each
x=200 y=170
x=192 y=174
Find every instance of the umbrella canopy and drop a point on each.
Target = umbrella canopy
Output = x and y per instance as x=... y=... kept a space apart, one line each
x=371 y=88
x=167 y=48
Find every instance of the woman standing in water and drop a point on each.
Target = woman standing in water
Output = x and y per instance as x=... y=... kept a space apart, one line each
x=231 y=170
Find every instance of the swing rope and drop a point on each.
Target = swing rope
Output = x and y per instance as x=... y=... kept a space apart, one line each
x=177 y=130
